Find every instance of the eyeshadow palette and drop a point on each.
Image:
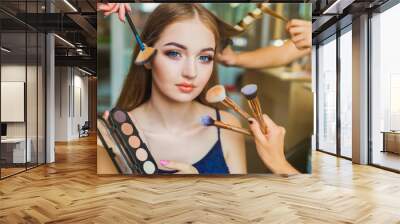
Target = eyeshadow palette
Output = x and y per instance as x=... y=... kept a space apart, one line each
x=114 y=150
x=135 y=149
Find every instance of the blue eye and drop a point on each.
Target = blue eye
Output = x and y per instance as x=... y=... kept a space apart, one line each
x=205 y=58
x=173 y=54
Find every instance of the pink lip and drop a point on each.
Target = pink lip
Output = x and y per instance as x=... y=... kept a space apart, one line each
x=185 y=87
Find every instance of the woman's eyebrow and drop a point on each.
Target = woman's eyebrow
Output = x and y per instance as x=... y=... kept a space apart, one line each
x=208 y=49
x=185 y=48
x=176 y=45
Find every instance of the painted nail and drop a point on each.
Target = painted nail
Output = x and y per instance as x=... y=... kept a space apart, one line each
x=164 y=162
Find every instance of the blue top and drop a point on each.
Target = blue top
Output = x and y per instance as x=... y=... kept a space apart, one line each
x=213 y=162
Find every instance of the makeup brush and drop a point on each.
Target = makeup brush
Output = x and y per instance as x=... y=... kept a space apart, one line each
x=264 y=7
x=250 y=92
x=248 y=19
x=244 y=23
x=209 y=121
x=217 y=94
x=146 y=53
x=256 y=13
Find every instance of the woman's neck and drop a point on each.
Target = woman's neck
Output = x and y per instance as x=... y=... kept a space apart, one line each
x=170 y=115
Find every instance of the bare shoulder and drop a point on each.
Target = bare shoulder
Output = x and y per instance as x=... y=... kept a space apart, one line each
x=140 y=119
x=233 y=145
x=230 y=118
x=138 y=112
x=229 y=137
x=206 y=110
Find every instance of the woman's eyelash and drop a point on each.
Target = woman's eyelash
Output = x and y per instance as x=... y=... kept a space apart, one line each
x=206 y=58
x=173 y=54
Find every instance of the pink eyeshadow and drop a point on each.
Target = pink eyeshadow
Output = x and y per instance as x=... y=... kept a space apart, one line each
x=134 y=141
x=141 y=154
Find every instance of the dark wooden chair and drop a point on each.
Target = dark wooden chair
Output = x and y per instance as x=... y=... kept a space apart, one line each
x=84 y=130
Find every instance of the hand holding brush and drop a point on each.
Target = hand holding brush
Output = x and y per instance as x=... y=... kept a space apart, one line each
x=300 y=33
x=119 y=8
x=270 y=146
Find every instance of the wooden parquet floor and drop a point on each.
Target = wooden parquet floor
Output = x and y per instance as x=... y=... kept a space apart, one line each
x=69 y=191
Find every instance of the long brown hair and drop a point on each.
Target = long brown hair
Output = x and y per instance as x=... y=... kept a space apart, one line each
x=137 y=85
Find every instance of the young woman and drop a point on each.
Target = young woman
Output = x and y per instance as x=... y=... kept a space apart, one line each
x=165 y=98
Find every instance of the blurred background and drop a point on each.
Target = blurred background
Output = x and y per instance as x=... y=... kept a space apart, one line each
x=285 y=92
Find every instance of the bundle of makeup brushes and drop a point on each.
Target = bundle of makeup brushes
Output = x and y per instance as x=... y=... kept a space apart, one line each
x=257 y=14
x=217 y=94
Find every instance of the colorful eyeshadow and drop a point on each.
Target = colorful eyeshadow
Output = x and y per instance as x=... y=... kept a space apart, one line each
x=119 y=116
x=134 y=150
x=127 y=129
x=149 y=167
x=134 y=141
x=141 y=154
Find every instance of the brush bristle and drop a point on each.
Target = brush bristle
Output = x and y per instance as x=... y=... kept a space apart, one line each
x=238 y=28
x=256 y=13
x=248 y=20
x=216 y=94
x=145 y=56
x=249 y=91
x=207 y=120
x=264 y=7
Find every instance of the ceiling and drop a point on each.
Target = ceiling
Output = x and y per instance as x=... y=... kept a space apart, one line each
x=23 y=21
x=332 y=15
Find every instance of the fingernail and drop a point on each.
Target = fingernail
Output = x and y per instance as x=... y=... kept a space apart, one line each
x=250 y=121
x=164 y=162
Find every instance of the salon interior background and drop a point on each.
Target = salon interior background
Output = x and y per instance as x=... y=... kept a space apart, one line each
x=48 y=78
x=285 y=92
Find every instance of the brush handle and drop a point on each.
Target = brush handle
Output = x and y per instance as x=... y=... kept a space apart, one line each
x=240 y=130
x=136 y=34
x=272 y=13
x=258 y=114
x=228 y=102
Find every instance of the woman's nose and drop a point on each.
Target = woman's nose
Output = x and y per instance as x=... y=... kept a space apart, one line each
x=189 y=70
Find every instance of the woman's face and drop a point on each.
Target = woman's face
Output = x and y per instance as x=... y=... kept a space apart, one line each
x=184 y=61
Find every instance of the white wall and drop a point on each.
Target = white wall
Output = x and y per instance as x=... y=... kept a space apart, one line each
x=16 y=73
x=33 y=126
x=61 y=104
x=70 y=83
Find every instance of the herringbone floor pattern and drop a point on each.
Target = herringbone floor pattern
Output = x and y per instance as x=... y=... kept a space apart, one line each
x=69 y=191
